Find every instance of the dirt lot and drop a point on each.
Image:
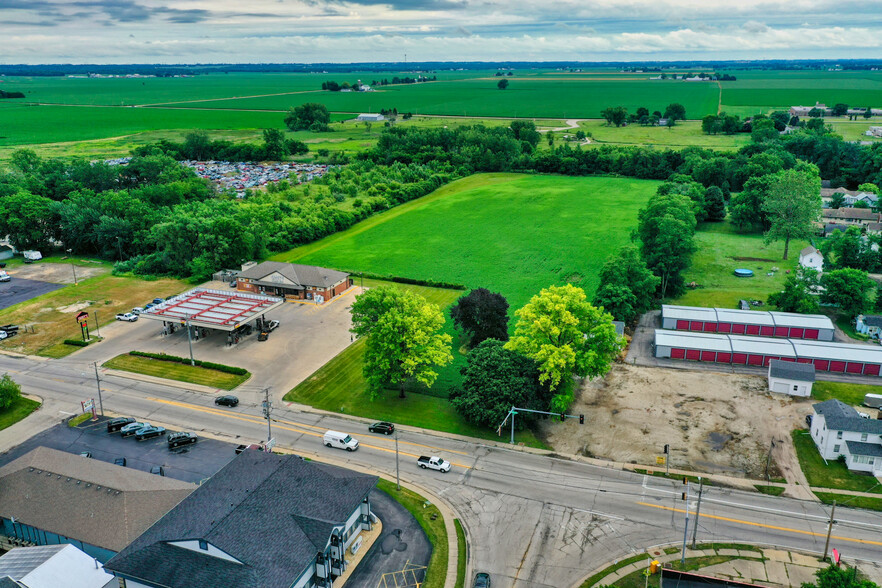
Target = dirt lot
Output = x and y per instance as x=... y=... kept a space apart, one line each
x=714 y=422
x=57 y=273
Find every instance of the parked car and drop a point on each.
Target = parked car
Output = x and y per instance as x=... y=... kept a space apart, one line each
x=120 y=461
x=340 y=440
x=226 y=400
x=3 y=335
x=114 y=425
x=4 y=277
x=132 y=428
x=137 y=310
x=178 y=439
x=148 y=306
x=85 y=454
x=148 y=432
x=482 y=580
x=158 y=300
x=254 y=446
x=127 y=316
x=382 y=427
x=808 y=421
x=434 y=463
x=158 y=470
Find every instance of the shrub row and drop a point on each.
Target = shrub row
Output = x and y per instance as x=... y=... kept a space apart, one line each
x=228 y=369
x=76 y=342
x=414 y=281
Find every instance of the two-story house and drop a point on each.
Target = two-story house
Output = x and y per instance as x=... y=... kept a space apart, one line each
x=263 y=521
x=838 y=430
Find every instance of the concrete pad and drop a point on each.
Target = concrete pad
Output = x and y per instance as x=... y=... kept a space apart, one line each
x=732 y=552
x=799 y=574
x=777 y=555
x=776 y=572
x=750 y=571
x=726 y=569
x=807 y=560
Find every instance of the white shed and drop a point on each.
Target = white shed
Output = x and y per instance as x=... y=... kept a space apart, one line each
x=788 y=377
x=371 y=117
x=811 y=258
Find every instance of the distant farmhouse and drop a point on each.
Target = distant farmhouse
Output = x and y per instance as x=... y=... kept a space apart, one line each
x=371 y=117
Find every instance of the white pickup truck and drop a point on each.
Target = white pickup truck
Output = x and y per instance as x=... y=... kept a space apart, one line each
x=128 y=316
x=434 y=463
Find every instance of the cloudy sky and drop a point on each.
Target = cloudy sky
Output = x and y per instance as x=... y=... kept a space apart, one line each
x=182 y=31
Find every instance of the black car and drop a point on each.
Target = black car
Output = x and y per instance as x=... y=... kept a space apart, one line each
x=148 y=432
x=383 y=427
x=120 y=461
x=114 y=425
x=482 y=580
x=227 y=400
x=178 y=439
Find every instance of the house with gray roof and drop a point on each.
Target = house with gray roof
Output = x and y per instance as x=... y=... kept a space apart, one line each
x=263 y=521
x=870 y=325
x=293 y=281
x=790 y=377
x=839 y=430
x=50 y=497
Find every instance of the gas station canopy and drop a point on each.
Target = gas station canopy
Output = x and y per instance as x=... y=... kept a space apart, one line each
x=213 y=309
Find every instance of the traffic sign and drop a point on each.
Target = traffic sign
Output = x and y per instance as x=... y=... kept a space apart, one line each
x=660 y=460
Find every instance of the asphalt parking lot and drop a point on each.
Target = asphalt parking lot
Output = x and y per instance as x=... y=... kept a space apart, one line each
x=21 y=289
x=400 y=555
x=191 y=463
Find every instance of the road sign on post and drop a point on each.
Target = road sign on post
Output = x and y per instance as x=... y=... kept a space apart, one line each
x=660 y=460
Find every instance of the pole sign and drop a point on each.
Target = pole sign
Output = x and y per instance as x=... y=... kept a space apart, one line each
x=82 y=316
x=270 y=444
x=660 y=460
x=89 y=406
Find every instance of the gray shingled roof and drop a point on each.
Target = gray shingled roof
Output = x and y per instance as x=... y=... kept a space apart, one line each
x=790 y=370
x=841 y=417
x=7 y=582
x=271 y=512
x=66 y=494
x=868 y=449
x=874 y=320
x=301 y=275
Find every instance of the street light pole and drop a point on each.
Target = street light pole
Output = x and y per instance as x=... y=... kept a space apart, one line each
x=697 y=511
x=267 y=409
x=685 y=528
x=74 y=268
x=190 y=342
x=397 y=477
x=97 y=326
x=98 y=382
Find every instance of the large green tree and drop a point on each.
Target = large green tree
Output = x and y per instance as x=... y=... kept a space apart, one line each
x=31 y=221
x=482 y=314
x=403 y=338
x=10 y=391
x=798 y=293
x=675 y=111
x=494 y=380
x=714 y=204
x=667 y=229
x=615 y=115
x=311 y=116
x=627 y=287
x=566 y=336
x=849 y=288
x=793 y=205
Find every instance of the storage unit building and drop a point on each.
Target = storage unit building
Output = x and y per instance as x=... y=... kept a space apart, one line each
x=760 y=351
x=747 y=322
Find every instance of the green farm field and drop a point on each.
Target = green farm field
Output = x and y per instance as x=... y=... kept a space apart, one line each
x=512 y=233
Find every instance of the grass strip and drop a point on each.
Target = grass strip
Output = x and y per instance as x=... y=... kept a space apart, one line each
x=80 y=418
x=19 y=409
x=435 y=530
x=592 y=580
x=638 y=579
x=770 y=490
x=832 y=474
x=176 y=371
x=461 y=551
x=850 y=501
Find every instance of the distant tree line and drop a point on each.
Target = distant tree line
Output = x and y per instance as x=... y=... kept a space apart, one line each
x=333 y=86
x=618 y=115
x=198 y=146
x=4 y=94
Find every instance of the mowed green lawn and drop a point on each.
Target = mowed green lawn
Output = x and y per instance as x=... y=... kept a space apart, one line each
x=512 y=233
x=721 y=249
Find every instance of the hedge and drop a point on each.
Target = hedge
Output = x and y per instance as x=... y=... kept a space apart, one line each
x=76 y=342
x=228 y=369
x=414 y=281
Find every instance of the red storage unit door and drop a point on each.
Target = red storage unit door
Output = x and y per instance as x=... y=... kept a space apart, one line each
x=754 y=360
x=797 y=333
x=767 y=359
x=724 y=357
x=693 y=354
x=724 y=327
x=854 y=367
x=695 y=325
x=737 y=329
x=708 y=356
x=822 y=365
x=678 y=353
x=710 y=327
x=781 y=331
x=788 y=359
x=682 y=325
x=739 y=358
x=752 y=330
x=871 y=369
x=767 y=331
x=837 y=366
x=803 y=360
x=811 y=334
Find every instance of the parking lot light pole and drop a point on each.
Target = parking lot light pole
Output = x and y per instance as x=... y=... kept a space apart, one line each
x=397 y=477
x=98 y=381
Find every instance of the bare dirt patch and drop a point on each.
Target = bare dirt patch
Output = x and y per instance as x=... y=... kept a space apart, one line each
x=58 y=273
x=714 y=422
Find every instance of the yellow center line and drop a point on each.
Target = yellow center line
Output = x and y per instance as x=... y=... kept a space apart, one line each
x=259 y=420
x=765 y=526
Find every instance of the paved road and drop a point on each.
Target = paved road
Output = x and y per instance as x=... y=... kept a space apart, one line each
x=20 y=289
x=532 y=520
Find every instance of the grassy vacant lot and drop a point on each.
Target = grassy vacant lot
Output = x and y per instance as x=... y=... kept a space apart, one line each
x=722 y=249
x=339 y=386
x=52 y=315
x=851 y=394
x=512 y=233
x=832 y=474
x=19 y=409
x=685 y=134
x=176 y=371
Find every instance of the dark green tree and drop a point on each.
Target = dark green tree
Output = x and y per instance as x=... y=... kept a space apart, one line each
x=525 y=130
x=502 y=84
x=10 y=391
x=615 y=115
x=310 y=116
x=837 y=577
x=849 y=288
x=675 y=111
x=627 y=287
x=666 y=229
x=274 y=144
x=714 y=204
x=798 y=293
x=482 y=314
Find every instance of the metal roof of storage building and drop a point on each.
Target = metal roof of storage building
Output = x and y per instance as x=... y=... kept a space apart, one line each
x=752 y=317
x=706 y=341
x=838 y=351
x=693 y=313
x=748 y=317
x=762 y=346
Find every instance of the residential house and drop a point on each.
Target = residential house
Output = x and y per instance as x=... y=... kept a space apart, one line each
x=790 y=377
x=866 y=198
x=50 y=497
x=294 y=281
x=870 y=325
x=263 y=521
x=803 y=111
x=838 y=430
x=53 y=566
x=830 y=228
x=811 y=258
x=850 y=216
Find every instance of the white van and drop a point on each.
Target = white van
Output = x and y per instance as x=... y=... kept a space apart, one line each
x=340 y=441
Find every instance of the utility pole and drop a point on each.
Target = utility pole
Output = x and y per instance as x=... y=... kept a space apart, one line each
x=267 y=409
x=74 y=268
x=98 y=382
x=97 y=326
x=829 y=531
x=190 y=342
x=686 y=527
x=769 y=458
x=667 y=459
x=397 y=477
x=697 y=511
